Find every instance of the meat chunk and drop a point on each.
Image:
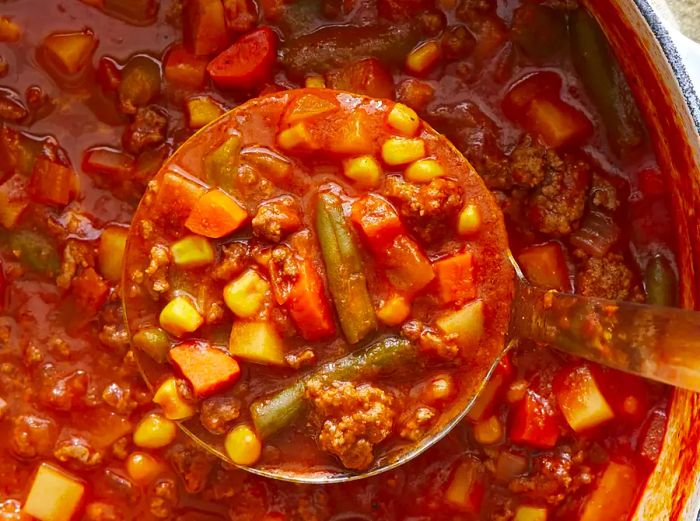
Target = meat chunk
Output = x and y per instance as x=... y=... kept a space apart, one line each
x=234 y=258
x=157 y=270
x=218 y=412
x=353 y=419
x=430 y=341
x=32 y=436
x=607 y=277
x=275 y=219
x=77 y=453
x=417 y=422
x=193 y=466
x=147 y=130
x=63 y=393
x=428 y=210
x=604 y=193
x=77 y=255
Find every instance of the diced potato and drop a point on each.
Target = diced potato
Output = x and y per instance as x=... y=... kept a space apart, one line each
x=400 y=151
x=154 y=342
x=469 y=220
x=488 y=431
x=423 y=58
x=614 y=494
x=466 y=324
x=394 y=310
x=528 y=513
x=180 y=317
x=257 y=342
x=142 y=467
x=201 y=111
x=364 y=170
x=9 y=30
x=154 y=432
x=110 y=252
x=54 y=495
x=174 y=406
x=70 y=52
x=315 y=82
x=423 y=171
x=403 y=119
x=296 y=136
x=465 y=490
x=193 y=251
x=245 y=295
x=580 y=399
x=242 y=445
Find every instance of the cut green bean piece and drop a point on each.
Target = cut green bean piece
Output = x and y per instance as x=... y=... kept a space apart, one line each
x=221 y=165
x=35 y=251
x=154 y=342
x=385 y=356
x=660 y=282
x=344 y=269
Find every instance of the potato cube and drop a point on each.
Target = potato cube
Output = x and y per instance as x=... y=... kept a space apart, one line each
x=245 y=295
x=55 y=494
x=201 y=111
x=110 y=252
x=174 y=406
x=257 y=342
x=194 y=251
x=180 y=317
x=400 y=151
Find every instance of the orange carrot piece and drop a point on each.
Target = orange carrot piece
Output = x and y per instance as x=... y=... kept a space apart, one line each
x=208 y=369
x=309 y=306
x=52 y=183
x=307 y=106
x=377 y=219
x=90 y=291
x=216 y=214
x=455 y=278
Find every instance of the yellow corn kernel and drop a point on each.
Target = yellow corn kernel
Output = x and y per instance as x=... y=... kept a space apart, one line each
x=365 y=170
x=194 y=251
x=404 y=119
x=179 y=317
x=440 y=389
x=9 y=30
x=315 y=82
x=110 y=252
x=174 y=406
x=296 y=136
x=488 y=431
x=201 y=111
x=528 y=513
x=423 y=171
x=422 y=58
x=154 y=431
x=394 y=310
x=243 y=445
x=399 y=150
x=245 y=295
x=142 y=467
x=469 y=220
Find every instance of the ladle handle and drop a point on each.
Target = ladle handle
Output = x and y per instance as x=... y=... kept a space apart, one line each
x=659 y=343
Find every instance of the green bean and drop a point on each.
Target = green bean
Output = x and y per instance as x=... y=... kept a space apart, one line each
x=140 y=83
x=660 y=282
x=385 y=356
x=35 y=251
x=604 y=82
x=154 y=342
x=344 y=269
x=221 y=165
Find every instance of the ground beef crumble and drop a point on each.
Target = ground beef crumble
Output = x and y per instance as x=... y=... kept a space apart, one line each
x=218 y=412
x=607 y=277
x=276 y=219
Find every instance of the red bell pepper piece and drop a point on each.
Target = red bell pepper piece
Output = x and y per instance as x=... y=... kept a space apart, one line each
x=52 y=183
x=534 y=422
x=208 y=369
x=247 y=63
x=455 y=278
x=378 y=220
x=544 y=266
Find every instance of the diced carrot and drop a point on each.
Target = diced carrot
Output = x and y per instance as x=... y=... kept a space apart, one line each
x=13 y=200
x=205 y=26
x=455 y=278
x=544 y=84
x=176 y=196
x=309 y=306
x=614 y=494
x=207 y=368
x=465 y=490
x=184 y=68
x=108 y=161
x=580 y=399
x=352 y=136
x=307 y=106
x=247 y=63
x=378 y=220
x=52 y=183
x=489 y=396
x=55 y=495
x=70 y=53
x=90 y=291
x=407 y=267
x=216 y=214
x=368 y=76
x=534 y=422
x=557 y=122
x=544 y=266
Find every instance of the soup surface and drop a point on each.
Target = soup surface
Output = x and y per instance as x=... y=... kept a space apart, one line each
x=95 y=96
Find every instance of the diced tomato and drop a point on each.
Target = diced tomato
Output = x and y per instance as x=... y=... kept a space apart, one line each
x=185 y=69
x=465 y=490
x=378 y=220
x=492 y=392
x=455 y=278
x=557 y=122
x=216 y=214
x=308 y=305
x=580 y=399
x=90 y=291
x=108 y=161
x=407 y=267
x=614 y=494
x=52 y=183
x=544 y=84
x=368 y=76
x=205 y=26
x=652 y=435
x=307 y=106
x=534 y=422
x=544 y=266
x=247 y=63
x=208 y=369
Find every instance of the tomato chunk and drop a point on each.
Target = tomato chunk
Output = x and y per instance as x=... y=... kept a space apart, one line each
x=205 y=26
x=544 y=266
x=534 y=422
x=216 y=214
x=208 y=369
x=247 y=63
x=52 y=183
x=378 y=220
x=70 y=53
x=185 y=68
x=455 y=278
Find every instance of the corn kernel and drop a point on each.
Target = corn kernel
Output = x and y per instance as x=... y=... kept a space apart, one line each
x=528 y=513
x=245 y=295
x=315 y=82
x=399 y=151
x=404 y=119
x=174 y=406
x=423 y=171
x=296 y=136
x=394 y=310
x=423 y=58
x=488 y=431
x=180 y=316
x=243 y=445
x=440 y=389
x=142 y=467
x=201 y=111
x=365 y=170
x=193 y=251
x=154 y=431
x=469 y=220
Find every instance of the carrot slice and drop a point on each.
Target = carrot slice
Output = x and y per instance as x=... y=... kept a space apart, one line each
x=52 y=183
x=309 y=306
x=216 y=214
x=378 y=220
x=247 y=63
x=208 y=369
x=455 y=278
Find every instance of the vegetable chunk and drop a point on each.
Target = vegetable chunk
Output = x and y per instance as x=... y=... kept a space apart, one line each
x=55 y=494
x=207 y=368
x=257 y=342
x=216 y=214
x=247 y=63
